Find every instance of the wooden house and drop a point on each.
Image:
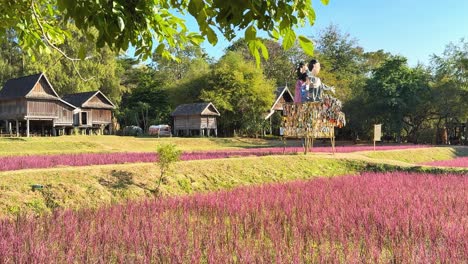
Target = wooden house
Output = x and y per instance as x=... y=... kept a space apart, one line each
x=282 y=96
x=94 y=112
x=32 y=104
x=196 y=119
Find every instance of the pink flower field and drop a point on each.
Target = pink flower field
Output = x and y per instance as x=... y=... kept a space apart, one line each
x=87 y=159
x=458 y=162
x=371 y=218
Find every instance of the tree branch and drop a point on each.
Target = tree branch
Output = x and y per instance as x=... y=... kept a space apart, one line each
x=49 y=42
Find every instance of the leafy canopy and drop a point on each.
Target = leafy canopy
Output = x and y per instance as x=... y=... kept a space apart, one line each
x=240 y=91
x=155 y=25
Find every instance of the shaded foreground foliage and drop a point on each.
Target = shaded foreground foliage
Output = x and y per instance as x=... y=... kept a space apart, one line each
x=374 y=217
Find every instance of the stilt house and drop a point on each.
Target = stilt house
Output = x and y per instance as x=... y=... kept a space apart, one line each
x=196 y=119
x=30 y=105
x=95 y=111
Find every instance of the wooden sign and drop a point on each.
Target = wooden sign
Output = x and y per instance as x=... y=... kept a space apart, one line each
x=377 y=132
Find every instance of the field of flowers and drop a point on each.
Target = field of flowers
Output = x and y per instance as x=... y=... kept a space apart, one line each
x=9 y=163
x=371 y=218
x=458 y=162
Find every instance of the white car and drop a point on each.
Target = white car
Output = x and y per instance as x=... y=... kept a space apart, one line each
x=160 y=130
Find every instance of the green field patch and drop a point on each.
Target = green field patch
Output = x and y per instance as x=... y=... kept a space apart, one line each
x=91 y=144
x=420 y=155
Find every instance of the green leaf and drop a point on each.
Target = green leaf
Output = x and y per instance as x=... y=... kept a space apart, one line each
x=289 y=38
x=212 y=38
x=195 y=6
x=307 y=45
x=50 y=9
x=311 y=16
x=325 y=2
x=160 y=48
x=275 y=34
x=253 y=47
x=263 y=48
x=121 y=23
x=250 y=33
x=196 y=39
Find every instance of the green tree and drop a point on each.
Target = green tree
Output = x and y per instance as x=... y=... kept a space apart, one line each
x=188 y=89
x=145 y=104
x=397 y=96
x=280 y=65
x=342 y=62
x=240 y=92
x=450 y=84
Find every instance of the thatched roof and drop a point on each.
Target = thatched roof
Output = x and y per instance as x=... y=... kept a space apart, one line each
x=82 y=100
x=22 y=87
x=207 y=109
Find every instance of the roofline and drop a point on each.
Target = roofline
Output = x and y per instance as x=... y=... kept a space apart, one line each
x=270 y=114
x=210 y=103
x=99 y=91
x=281 y=94
x=47 y=80
x=67 y=103
x=277 y=99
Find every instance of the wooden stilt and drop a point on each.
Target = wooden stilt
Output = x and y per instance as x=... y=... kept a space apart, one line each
x=311 y=143
x=27 y=127
x=17 y=128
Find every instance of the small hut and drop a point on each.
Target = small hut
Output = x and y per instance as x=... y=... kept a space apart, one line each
x=198 y=119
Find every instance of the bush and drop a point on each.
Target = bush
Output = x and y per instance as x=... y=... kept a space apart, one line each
x=167 y=155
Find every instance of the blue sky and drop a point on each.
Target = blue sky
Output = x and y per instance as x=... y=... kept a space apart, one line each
x=412 y=28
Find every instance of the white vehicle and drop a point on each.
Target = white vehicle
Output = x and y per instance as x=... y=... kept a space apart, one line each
x=160 y=130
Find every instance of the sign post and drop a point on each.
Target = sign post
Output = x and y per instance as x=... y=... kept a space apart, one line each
x=377 y=133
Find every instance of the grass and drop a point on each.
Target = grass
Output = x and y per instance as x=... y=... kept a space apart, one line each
x=94 y=186
x=89 y=144
x=420 y=155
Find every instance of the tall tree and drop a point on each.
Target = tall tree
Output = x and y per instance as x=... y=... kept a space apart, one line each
x=240 y=92
x=342 y=62
x=397 y=96
x=280 y=65
x=450 y=85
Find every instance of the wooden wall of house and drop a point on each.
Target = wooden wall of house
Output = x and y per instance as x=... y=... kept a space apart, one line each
x=187 y=122
x=194 y=122
x=42 y=108
x=12 y=109
x=42 y=89
x=101 y=116
x=279 y=105
x=97 y=101
x=208 y=122
x=65 y=114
